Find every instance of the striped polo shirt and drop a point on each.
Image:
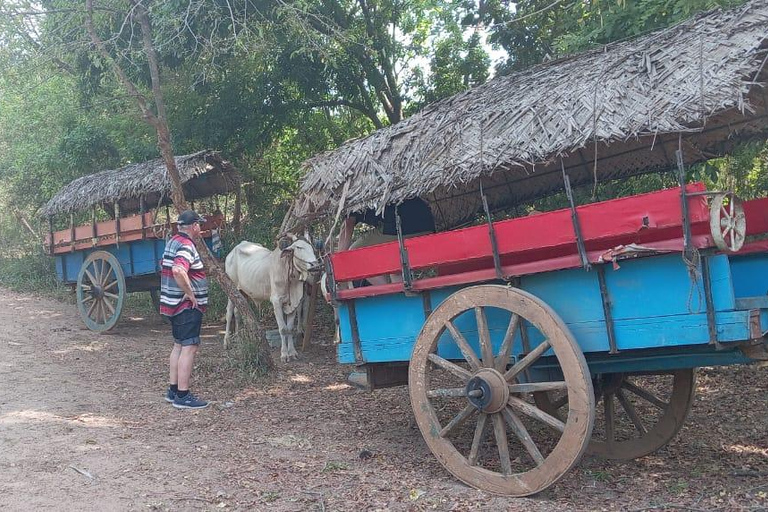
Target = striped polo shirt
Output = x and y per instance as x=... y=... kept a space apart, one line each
x=180 y=251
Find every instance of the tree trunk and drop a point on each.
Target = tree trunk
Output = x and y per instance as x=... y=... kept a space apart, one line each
x=160 y=123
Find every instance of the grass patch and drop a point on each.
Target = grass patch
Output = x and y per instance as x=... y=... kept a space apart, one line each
x=32 y=271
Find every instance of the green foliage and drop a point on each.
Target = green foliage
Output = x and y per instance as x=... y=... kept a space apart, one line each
x=539 y=30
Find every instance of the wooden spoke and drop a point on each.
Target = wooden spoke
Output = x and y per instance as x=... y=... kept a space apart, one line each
x=610 y=419
x=535 y=413
x=458 y=419
x=90 y=277
x=110 y=285
x=106 y=276
x=111 y=295
x=466 y=350
x=450 y=367
x=486 y=349
x=93 y=306
x=98 y=266
x=110 y=306
x=477 y=439
x=642 y=393
x=86 y=287
x=87 y=298
x=500 y=431
x=533 y=387
x=631 y=412
x=527 y=361
x=522 y=434
x=505 y=351
x=447 y=393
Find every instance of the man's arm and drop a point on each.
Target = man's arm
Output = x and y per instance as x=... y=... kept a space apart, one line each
x=182 y=279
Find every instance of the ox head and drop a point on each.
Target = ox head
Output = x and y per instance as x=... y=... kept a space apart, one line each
x=303 y=257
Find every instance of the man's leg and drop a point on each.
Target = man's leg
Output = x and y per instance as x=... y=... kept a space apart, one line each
x=185 y=364
x=173 y=378
x=173 y=373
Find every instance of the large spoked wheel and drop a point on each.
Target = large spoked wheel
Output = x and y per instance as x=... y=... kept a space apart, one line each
x=100 y=291
x=635 y=414
x=727 y=222
x=472 y=399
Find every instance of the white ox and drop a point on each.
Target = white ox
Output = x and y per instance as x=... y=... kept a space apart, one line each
x=277 y=276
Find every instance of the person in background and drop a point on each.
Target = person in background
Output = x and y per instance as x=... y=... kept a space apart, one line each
x=183 y=298
x=415 y=219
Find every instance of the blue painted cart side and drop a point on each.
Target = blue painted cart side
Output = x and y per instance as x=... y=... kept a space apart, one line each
x=658 y=310
x=137 y=258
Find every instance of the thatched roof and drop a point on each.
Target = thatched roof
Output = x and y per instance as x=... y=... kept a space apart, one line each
x=611 y=112
x=203 y=174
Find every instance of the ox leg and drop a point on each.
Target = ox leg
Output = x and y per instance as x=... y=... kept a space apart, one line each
x=289 y=327
x=230 y=314
x=277 y=306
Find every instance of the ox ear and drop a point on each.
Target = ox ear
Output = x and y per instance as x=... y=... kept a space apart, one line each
x=284 y=243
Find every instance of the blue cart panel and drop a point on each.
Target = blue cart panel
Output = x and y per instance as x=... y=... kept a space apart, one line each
x=657 y=305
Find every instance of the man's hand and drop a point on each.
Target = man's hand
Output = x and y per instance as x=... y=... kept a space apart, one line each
x=190 y=298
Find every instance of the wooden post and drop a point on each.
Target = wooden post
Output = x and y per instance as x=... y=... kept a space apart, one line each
x=310 y=316
x=50 y=234
x=72 y=232
x=117 y=222
x=236 y=215
x=142 y=208
x=94 y=231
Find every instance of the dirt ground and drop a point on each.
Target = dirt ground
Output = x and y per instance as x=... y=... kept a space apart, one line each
x=83 y=426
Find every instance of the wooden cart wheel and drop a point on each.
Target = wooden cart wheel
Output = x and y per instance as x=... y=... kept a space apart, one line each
x=727 y=222
x=454 y=400
x=636 y=414
x=100 y=291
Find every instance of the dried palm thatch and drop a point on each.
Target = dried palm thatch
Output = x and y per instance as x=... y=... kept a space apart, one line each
x=203 y=174
x=608 y=113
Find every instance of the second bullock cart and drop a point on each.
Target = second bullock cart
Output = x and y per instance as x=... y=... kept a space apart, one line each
x=527 y=341
x=106 y=259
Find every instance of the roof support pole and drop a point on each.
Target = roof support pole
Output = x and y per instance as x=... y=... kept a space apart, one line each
x=407 y=276
x=50 y=235
x=117 y=223
x=688 y=249
x=142 y=211
x=94 y=231
x=491 y=234
x=575 y=219
x=72 y=232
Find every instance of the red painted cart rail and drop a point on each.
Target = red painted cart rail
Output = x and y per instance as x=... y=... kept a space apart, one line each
x=111 y=232
x=531 y=244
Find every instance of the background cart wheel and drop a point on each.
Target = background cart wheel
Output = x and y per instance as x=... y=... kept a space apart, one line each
x=727 y=222
x=100 y=291
x=636 y=414
x=463 y=378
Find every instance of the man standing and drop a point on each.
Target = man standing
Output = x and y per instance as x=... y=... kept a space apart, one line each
x=183 y=297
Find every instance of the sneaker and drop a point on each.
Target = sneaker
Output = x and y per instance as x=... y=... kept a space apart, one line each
x=189 y=402
x=170 y=396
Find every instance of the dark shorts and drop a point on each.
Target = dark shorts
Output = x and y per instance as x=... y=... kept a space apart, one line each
x=186 y=327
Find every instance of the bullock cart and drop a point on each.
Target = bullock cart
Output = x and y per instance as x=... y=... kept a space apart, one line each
x=106 y=259
x=526 y=342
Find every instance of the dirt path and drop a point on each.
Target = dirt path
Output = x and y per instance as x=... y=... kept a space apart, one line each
x=83 y=427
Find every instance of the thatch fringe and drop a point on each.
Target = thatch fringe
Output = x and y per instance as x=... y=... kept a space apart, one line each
x=203 y=174
x=607 y=113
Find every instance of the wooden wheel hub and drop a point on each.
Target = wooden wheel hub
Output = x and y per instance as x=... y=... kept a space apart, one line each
x=488 y=391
